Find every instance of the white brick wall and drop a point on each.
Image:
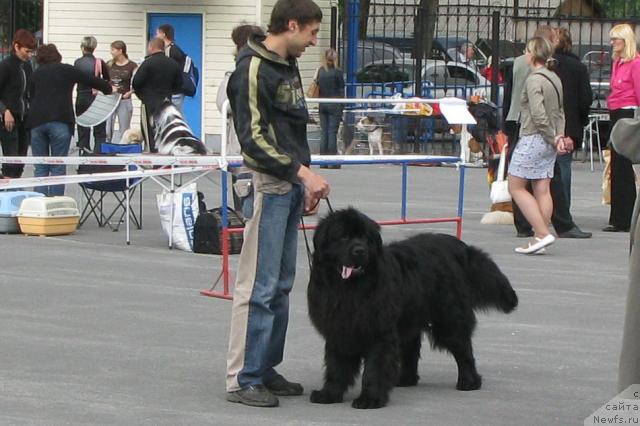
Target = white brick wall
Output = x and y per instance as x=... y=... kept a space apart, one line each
x=67 y=21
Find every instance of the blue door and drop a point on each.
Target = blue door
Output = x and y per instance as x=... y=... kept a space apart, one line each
x=188 y=28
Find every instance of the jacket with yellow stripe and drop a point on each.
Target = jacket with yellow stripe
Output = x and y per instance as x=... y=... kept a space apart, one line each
x=269 y=111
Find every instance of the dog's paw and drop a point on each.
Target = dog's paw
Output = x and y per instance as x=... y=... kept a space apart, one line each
x=324 y=397
x=469 y=383
x=369 y=402
x=408 y=380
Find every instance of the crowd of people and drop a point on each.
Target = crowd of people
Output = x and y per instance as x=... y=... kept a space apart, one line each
x=547 y=106
x=37 y=108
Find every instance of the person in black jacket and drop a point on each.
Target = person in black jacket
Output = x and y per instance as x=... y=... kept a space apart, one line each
x=270 y=116
x=577 y=101
x=14 y=73
x=157 y=78
x=167 y=34
x=92 y=66
x=51 y=118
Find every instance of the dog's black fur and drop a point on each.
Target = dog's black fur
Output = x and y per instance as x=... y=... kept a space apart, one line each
x=392 y=294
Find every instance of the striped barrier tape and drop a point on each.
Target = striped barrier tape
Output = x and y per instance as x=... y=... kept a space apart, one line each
x=219 y=161
x=193 y=164
x=91 y=177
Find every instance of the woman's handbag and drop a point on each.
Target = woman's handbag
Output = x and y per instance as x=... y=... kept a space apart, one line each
x=500 y=187
x=314 y=89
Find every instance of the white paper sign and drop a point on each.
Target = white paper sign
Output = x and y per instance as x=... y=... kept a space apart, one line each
x=455 y=111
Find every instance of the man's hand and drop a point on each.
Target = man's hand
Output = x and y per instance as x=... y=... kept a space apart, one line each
x=568 y=144
x=564 y=145
x=9 y=121
x=127 y=95
x=315 y=187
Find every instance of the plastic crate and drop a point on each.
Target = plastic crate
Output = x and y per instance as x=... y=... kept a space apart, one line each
x=9 y=205
x=48 y=216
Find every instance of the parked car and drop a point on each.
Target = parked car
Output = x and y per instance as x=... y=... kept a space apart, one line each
x=404 y=44
x=448 y=48
x=598 y=63
x=369 y=51
x=508 y=49
x=440 y=79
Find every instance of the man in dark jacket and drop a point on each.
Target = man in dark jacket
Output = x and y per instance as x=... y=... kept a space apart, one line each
x=14 y=74
x=167 y=33
x=577 y=101
x=154 y=82
x=90 y=65
x=270 y=116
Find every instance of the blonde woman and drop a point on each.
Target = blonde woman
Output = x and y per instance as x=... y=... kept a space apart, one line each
x=622 y=102
x=331 y=84
x=541 y=137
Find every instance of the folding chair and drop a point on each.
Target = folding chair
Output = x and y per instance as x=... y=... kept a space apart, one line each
x=100 y=110
x=122 y=191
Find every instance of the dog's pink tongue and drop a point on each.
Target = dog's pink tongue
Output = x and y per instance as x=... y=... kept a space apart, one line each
x=346 y=272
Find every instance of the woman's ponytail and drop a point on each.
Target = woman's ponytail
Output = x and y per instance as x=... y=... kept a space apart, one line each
x=551 y=64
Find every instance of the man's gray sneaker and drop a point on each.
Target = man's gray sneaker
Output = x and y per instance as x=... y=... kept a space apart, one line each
x=254 y=396
x=282 y=387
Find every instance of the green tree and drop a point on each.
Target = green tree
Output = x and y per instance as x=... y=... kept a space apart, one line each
x=621 y=9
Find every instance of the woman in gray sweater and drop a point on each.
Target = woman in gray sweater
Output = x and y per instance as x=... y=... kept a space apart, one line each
x=541 y=137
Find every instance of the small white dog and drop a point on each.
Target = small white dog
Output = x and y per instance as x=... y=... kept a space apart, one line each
x=130 y=136
x=374 y=131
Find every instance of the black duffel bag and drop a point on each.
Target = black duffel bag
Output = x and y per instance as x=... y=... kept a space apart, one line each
x=207 y=234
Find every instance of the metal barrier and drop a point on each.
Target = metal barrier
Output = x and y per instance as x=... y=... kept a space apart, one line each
x=454 y=109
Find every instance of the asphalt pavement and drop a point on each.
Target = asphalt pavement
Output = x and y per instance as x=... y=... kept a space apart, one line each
x=95 y=332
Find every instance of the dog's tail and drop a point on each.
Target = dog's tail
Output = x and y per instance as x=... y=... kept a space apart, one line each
x=490 y=288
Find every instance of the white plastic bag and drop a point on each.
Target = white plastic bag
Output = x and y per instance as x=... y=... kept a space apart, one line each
x=499 y=187
x=185 y=211
x=500 y=192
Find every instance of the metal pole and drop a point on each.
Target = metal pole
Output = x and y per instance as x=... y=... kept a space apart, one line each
x=460 y=200
x=334 y=28
x=353 y=23
x=419 y=29
x=403 y=208
x=128 y=208
x=173 y=213
x=495 y=63
x=225 y=234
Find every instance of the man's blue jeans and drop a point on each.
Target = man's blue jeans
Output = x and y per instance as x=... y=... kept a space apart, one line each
x=50 y=139
x=564 y=161
x=260 y=313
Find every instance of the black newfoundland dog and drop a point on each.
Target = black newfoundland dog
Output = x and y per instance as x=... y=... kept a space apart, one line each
x=372 y=302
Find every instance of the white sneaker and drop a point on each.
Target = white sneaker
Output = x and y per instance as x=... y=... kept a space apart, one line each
x=534 y=248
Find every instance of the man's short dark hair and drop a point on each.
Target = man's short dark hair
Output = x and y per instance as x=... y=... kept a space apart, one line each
x=156 y=43
x=168 y=31
x=24 y=38
x=304 y=12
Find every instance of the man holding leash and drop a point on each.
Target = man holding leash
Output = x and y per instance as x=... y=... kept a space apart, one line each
x=270 y=116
